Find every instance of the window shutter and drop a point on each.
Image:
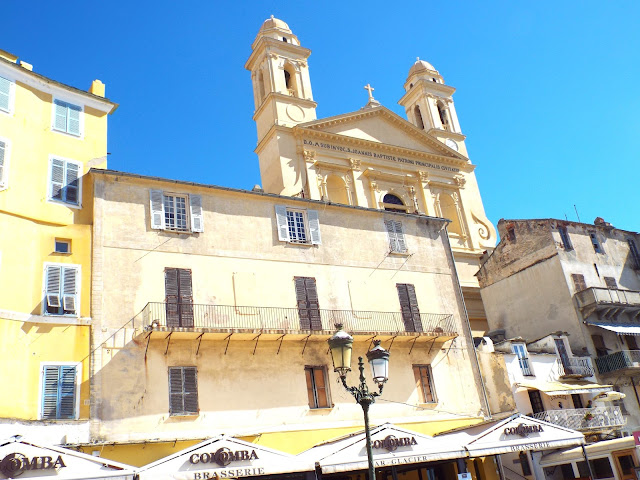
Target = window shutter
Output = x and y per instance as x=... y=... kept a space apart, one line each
x=3 y=148
x=391 y=232
x=69 y=289
x=190 y=386
x=402 y=246
x=52 y=288
x=67 y=392
x=74 y=120
x=71 y=188
x=60 y=121
x=185 y=292
x=176 y=397
x=301 y=298
x=197 y=219
x=610 y=282
x=5 y=94
x=418 y=378
x=314 y=227
x=281 y=219
x=313 y=303
x=57 y=179
x=409 y=307
x=50 y=375
x=157 y=209
x=578 y=282
x=171 y=296
x=321 y=387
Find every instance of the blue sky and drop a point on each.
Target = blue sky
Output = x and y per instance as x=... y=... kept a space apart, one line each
x=547 y=92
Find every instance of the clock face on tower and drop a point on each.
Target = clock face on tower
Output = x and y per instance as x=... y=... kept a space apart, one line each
x=451 y=144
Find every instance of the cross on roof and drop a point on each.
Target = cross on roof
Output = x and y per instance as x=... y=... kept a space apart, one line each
x=370 y=89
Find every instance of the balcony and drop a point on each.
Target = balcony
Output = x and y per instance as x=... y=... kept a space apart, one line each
x=226 y=320
x=584 y=419
x=608 y=302
x=624 y=361
x=575 y=367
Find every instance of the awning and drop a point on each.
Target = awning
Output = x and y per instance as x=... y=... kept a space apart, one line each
x=620 y=329
x=19 y=456
x=391 y=445
x=566 y=388
x=223 y=457
x=597 y=449
x=515 y=434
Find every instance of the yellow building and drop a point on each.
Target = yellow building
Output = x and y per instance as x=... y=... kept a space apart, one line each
x=50 y=136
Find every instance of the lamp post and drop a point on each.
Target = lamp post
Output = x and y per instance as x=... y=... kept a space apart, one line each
x=341 y=344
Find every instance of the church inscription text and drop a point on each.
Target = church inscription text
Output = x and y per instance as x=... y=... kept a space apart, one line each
x=383 y=156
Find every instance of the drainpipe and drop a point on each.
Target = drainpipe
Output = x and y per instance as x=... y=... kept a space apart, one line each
x=586 y=459
x=635 y=391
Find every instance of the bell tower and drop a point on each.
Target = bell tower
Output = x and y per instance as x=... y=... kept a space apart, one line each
x=283 y=99
x=429 y=105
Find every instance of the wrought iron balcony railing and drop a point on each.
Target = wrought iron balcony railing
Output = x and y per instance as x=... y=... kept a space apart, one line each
x=187 y=316
x=575 y=367
x=622 y=360
x=584 y=419
x=607 y=300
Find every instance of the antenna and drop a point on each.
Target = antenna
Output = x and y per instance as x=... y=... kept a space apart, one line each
x=574 y=207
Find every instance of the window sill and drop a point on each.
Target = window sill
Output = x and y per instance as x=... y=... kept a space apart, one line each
x=400 y=254
x=321 y=410
x=187 y=416
x=430 y=405
x=66 y=204
x=298 y=244
x=73 y=135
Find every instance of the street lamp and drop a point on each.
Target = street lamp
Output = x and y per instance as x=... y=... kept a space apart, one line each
x=341 y=344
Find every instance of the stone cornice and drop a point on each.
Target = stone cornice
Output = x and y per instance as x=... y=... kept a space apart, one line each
x=423 y=84
x=272 y=131
x=265 y=42
x=284 y=99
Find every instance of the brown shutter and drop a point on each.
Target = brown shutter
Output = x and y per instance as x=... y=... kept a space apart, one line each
x=185 y=292
x=321 y=387
x=308 y=371
x=308 y=303
x=418 y=378
x=610 y=282
x=190 y=387
x=176 y=404
x=578 y=282
x=409 y=307
x=171 y=290
x=301 y=297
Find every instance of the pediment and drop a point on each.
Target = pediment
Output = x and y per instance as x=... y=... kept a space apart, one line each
x=381 y=125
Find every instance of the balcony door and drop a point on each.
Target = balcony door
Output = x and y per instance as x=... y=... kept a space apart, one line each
x=564 y=356
x=409 y=307
x=308 y=305
x=625 y=461
x=178 y=297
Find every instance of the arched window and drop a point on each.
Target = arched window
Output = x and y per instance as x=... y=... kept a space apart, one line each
x=418 y=115
x=261 y=85
x=443 y=116
x=337 y=190
x=393 y=203
x=290 y=80
x=450 y=211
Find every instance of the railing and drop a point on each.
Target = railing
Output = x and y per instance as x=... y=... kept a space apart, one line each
x=597 y=418
x=189 y=316
x=609 y=297
x=575 y=367
x=618 y=361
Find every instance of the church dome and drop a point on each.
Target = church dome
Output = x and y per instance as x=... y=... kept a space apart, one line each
x=273 y=22
x=421 y=66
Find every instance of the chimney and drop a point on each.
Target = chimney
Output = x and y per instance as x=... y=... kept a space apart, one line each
x=97 y=88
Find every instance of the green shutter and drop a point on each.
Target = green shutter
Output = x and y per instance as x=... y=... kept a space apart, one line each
x=58 y=392
x=67 y=392
x=50 y=375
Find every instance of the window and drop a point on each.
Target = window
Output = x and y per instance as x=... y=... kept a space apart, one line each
x=308 y=304
x=183 y=391
x=317 y=389
x=178 y=297
x=58 y=392
x=578 y=282
x=6 y=97
x=601 y=468
x=297 y=225
x=635 y=256
x=176 y=212
x=424 y=383
x=520 y=350
x=64 y=181
x=536 y=401
x=62 y=246
x=596 y=244
x=577 y=400
x=395 y=233
x=66 y=117
x=444 y=118
x=4 y=162
x=418 y=116
x=610 y=282
x=393 y=203
x=598 y=344
x=511 y=234
x=61 y=292
x=409 y=307
x=564 y=236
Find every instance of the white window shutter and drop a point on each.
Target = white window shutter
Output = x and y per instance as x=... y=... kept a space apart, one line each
x=314 y=227
x=281 y=219
x=391 y=232
x=402 y=245
x=69 y=289
x=157 y=209
x=5 y=94
x=60 y=116
x=71 y=190
x=3 y=148
x=57 y=178
x=52 y=286
x=74 y=120
x=197 y=218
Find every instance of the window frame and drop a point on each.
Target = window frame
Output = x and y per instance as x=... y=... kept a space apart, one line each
x=61 y=100
x=78 y=297
x=523 y=360
x=420 y=384
x=595 y=242
x=578 y=280
x=309 y=372
x=78 y=383
x=12 y=95
x=50 y=181
x=174 y=206
x=564 y=237
x=4 y=168
x=311 y=223
x=193 y=207
x=184 y=412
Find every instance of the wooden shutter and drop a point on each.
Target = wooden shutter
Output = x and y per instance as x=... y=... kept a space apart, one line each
x=610 y=282
x=69 y=289
x=156 y=209
x=422 y=375
x=281 y=220
x=67 y=392
x=308 y=372
x=183 y=390
x=3 y=148
x=314 y=227
x=52 y=287
x=176 y=395
x=185 y=295
x=50 y=375
x=57 y=179
x=197 y=219
x=598 y=343
x=58 y=392
x=396 y=236
x=409 y=307
x=308 y=303
x=578 y=282
x=60 y=120
x=190 y=388
x=171 y=290
x=71 y=190
x=73 y=126
x=303 y=308
x=402 y=246
x=5 y=94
